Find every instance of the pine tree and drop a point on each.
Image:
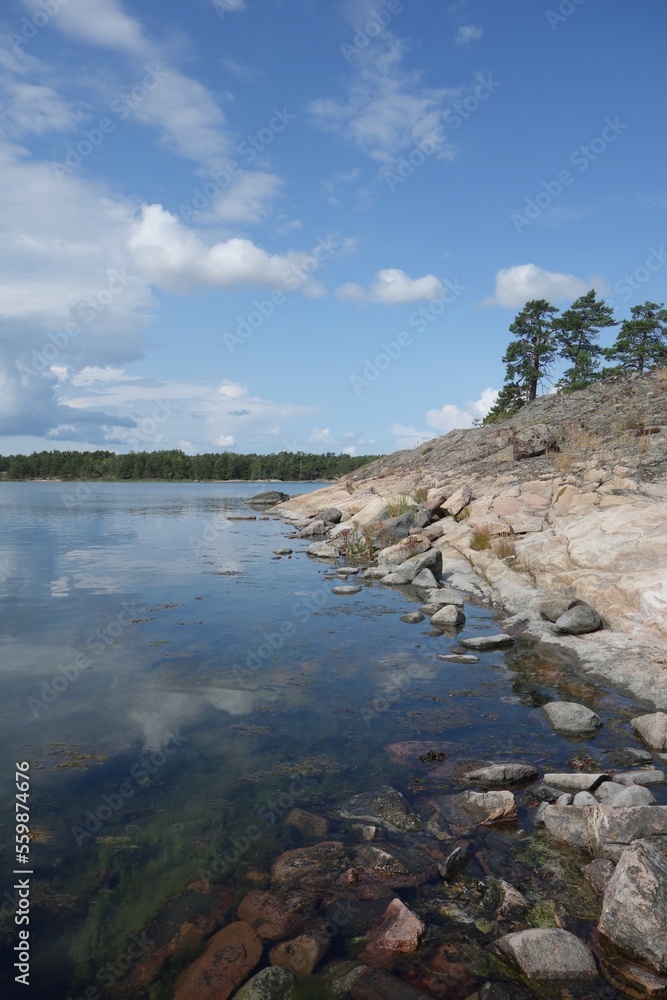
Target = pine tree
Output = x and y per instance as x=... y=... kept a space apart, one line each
x=577 y=330
x=528 y=358
x=640 y=343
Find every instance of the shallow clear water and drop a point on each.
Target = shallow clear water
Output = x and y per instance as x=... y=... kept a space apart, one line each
x=173 y=686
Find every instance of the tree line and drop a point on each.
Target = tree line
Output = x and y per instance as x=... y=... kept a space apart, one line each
x=541 y=338
x=288 y=466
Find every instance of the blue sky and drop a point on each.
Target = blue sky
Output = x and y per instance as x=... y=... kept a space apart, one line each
x=266 y=225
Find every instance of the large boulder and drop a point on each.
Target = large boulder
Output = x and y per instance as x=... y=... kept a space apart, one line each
x=579 y=620
x=570 y=717
x=652 y=729
x=314 y=529
x=604 y=829
x=268 y=499
x=548 y=955
x=634 y=907
x=408 y=570
x=531 y=441
x=230 y=956
x=458 y=501
x=269 y=984
x=396 y=554
x=331 y=515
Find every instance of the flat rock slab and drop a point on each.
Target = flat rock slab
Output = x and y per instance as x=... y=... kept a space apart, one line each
x=570 y=717
x=634 y=907
x=652 y=729
x=386 y=807
x=345 y=591
x=575 y=781
x=458 y=657
x=486 y=642
x=549 y=955
x=646 y=776
x=268 y=499
x=606 y=830
x=498 y=775
x=269 y=984
x=230 y=957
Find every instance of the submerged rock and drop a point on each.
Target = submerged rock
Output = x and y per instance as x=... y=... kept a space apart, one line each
x=301 y=954
x=469 y=809
x=548 y=955
x=570 y=717
x=229 y=958
x=269 y=984
x=314 y=868
x=399 y=931
x=307 y=823
x=502 y=774
x=397 y=867
x=652 y=729
x=486 y=642
x=275 y=917
x=634 y=908
x=386 y=807
x=458 y=657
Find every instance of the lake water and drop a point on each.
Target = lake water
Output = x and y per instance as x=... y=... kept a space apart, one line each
x=173 y=686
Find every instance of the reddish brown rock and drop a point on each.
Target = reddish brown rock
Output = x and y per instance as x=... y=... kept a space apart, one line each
x=274 y=918
x=231 y=955
x=316 y=868
x=301 y=954
x=394 y=866
x=398 y=931
x=308 y=823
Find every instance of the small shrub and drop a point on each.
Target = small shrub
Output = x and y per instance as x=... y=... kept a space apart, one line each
x=481 y=539
x=398 y=505
x=463 y=515
x=504 y=547
x=563 y=461
x=356 y=546
x=421 y=494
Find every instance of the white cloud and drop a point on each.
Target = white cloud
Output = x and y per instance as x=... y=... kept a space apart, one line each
x=33 y=109
x=225 y=441
x=468 y=33
x=99 y=22
x=351 y=451
x=232 y=390
x=517 y=285
x=386 y=110
x=393 y=287
x=409 y=437
x=175 y=258
x=248 y=199
x=320 y=436
x=450 y=417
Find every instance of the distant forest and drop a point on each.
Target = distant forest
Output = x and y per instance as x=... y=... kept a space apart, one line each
x=286 y=465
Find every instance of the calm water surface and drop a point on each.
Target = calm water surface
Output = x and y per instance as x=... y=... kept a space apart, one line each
x=174 y=686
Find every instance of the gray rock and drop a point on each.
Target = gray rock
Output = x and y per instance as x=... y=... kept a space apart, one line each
x=512 y=903
x=574 y=781
x=323 y=550
x=268 y=499
x=273 y=983
x=633 y=795
x=445 y=595
x=425 y=580
x=346 y=591
x=458 y=657
x=448 y=615
x=548 y=955
x=331 y=515
x=565 y=799
x=538 y=815
x=499 y=775
x=551 y=608
x=385 y=807
x=348 y=570
x=607 y=791
x=454 y=860
x=282 y=552
x=606 y=830
x=484 y=643
x=598 y=873
x=584 y=799
x=579 y=620
x=429 y=609
x=628 y=757
x=634 y=907
x=569 y=717
x=315 y=528
x=413 y=618
x=532 y=441
x=652 y=729
x=408 y=570
x=648 y=776
x=545 y=793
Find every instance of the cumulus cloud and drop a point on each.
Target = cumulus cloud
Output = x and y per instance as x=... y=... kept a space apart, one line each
x=178 y=260
x=249 y=198
x=468 y=33
x=451 y=417
x=517 y=285
x=393 y=287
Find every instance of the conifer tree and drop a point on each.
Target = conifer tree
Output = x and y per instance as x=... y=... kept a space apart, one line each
x=528 y=358
x=577 y=330
x=642 y=341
